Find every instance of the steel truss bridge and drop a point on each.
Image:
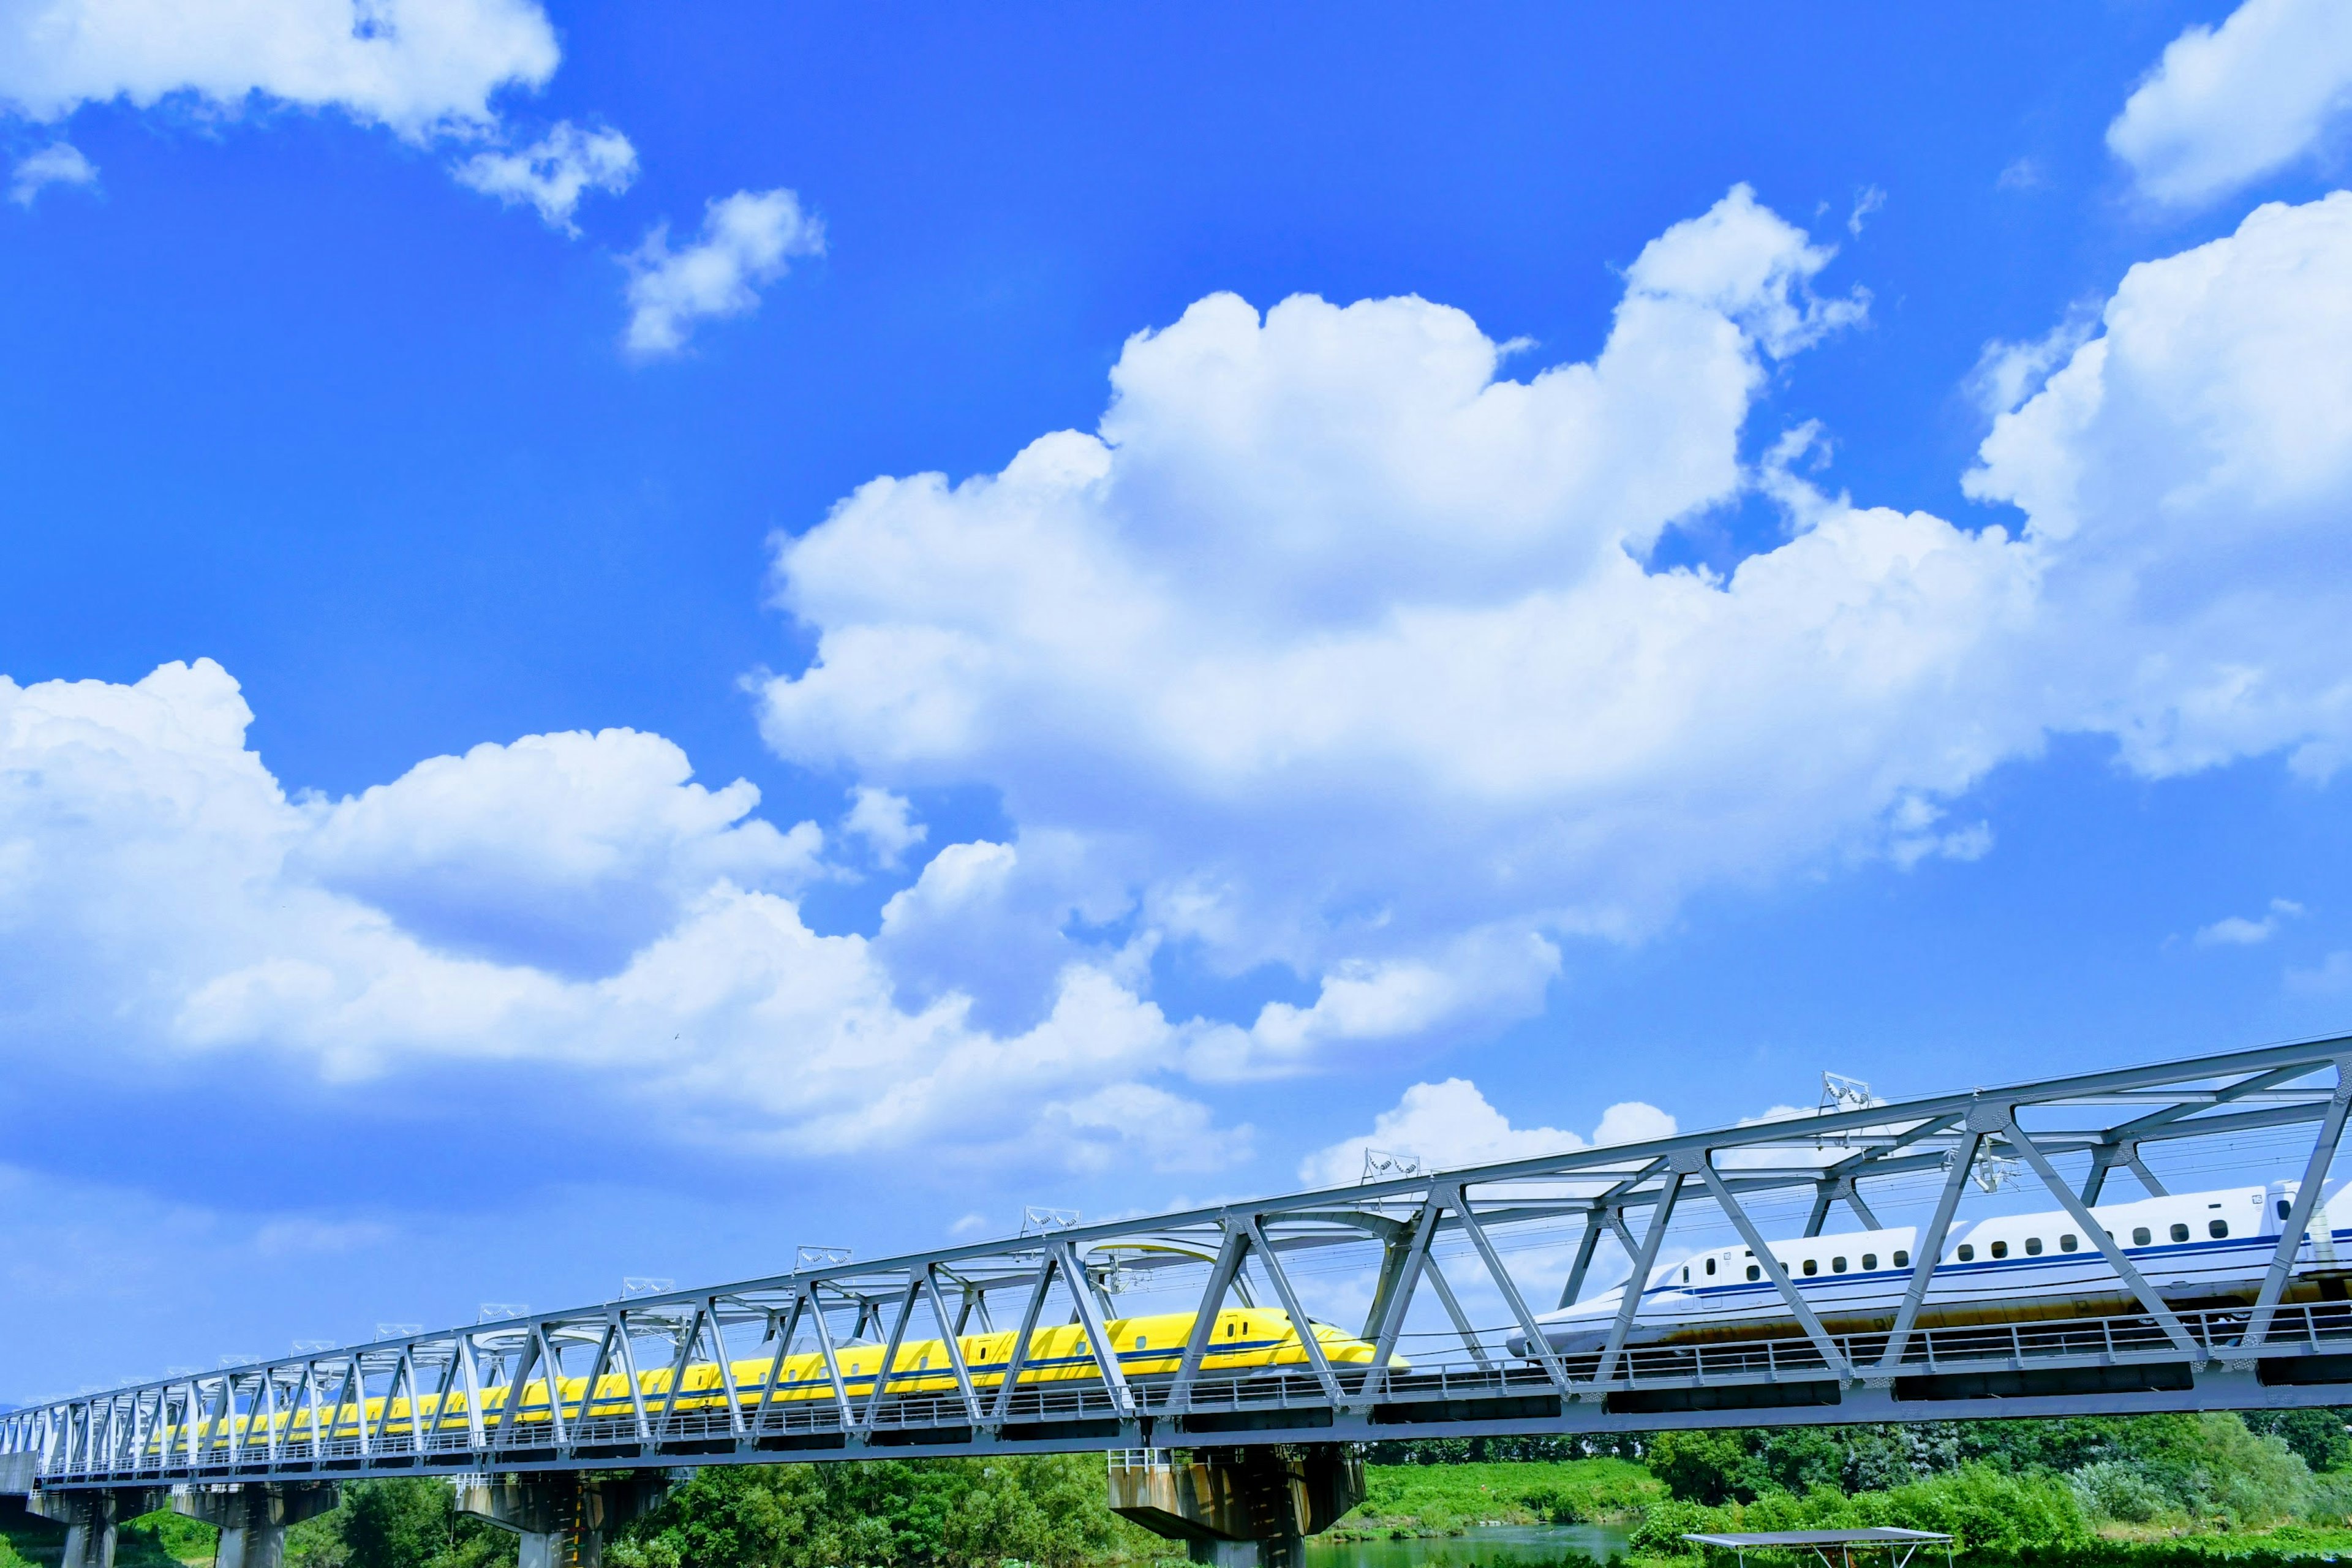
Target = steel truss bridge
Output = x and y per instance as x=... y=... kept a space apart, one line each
x=1417 y=1253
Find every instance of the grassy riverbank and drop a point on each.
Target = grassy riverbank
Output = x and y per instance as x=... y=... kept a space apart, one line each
x=1445 y=1499
x=2155 y=1492
x=2152 y=1491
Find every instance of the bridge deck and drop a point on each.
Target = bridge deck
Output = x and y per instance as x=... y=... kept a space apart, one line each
x=2119 y=1364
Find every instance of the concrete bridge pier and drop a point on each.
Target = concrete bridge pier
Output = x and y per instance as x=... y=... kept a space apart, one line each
x=1238 y=1507
x=90 y=1519
x=252 y=1517
x=563 y=1516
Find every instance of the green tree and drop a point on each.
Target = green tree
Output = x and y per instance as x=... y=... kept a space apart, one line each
x=1708 y=1467
x=412 y=1523
x=401 y=1523
x=2320 y=1437
x=1047 y=1509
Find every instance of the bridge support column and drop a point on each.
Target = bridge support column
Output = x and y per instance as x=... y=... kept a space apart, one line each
x=563 y=1516
x=1237 y=1508
x=90 y=1518
x=252 y=1517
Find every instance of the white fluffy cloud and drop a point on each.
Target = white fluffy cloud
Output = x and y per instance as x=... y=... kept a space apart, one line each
x=1449 y=1125
x=885 y=822
x=570 y=852
x=429 y=70
x=2187 y=474
x=747 y=239
x=58 y=163
x=2230 y=104
x=1485 y=977
x=569 y=900
x=1331 y=648
x=2238 y=931
x=555 y=172
x=419 y=66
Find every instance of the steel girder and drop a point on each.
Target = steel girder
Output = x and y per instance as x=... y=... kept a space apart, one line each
x=351 y=1411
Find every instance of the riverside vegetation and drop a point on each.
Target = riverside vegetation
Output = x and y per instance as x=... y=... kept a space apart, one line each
x=2155 y=1492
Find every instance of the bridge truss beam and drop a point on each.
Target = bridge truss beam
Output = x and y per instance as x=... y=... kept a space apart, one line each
x=323 y=1416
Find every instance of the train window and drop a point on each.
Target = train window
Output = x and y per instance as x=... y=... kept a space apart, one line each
x=1837 y=1264
x=1754 y=1272
x=1870 y=1260
x=2180 y=1233
x=2001 y=1250
x=2067 y=1243
x=1685 y=1273
x=2139 y=1236
x=1812 y=1266
x=1902 y=1260
x=2217 y=1228
x=2033 y=1246
x=1967 y=1252
x=1139 y=1346
x=2284 y=1206
x=1710 y=1266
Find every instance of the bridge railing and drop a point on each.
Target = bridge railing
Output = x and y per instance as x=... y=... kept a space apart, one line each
x=2302 y=1331
x=1426 y=1248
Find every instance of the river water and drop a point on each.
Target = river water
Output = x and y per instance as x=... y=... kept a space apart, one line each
x=1502 y=1545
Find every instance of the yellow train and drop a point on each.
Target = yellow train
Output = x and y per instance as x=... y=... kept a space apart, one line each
x=1243 y=1339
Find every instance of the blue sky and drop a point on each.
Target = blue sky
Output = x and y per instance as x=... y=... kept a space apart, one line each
x=1634 y=559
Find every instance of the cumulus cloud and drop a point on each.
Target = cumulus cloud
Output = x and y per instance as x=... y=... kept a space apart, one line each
x=747 y=241
x=429 y=70
x=554 y=172
x=1332 y=646
x=2006 y=374
x=1449 y=1125
x=1170 y=1132
x=998 y=923
x=147 y=856
x=885 y=822
x=1485 y=977
x=2185 y=474
x=569 y=852
x=421 y=68
x=2227 y=105
x=58 y=163
x=2238 y=931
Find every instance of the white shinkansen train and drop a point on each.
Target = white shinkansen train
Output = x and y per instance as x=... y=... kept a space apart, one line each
x=2204 y=1249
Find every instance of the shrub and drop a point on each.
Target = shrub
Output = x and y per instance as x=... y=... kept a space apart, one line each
x=2329 y=1502
x=1988 y=1512
x=2112 y=1488
x=2233 y=1474
x=1664 y=1524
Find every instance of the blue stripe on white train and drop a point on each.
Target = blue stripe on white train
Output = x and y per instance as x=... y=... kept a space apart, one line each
x=2195 y=1249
